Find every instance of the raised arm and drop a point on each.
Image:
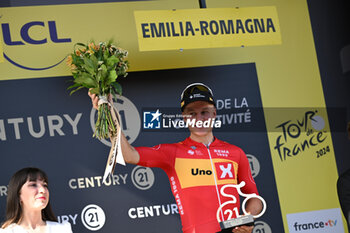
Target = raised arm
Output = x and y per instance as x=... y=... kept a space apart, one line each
x=129 y=153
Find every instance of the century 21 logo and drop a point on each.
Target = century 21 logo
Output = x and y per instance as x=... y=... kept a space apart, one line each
x=24 y=33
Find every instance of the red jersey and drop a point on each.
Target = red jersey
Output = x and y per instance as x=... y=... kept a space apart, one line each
x=196 y=174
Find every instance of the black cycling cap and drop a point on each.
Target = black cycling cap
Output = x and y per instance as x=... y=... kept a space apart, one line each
x=196 y=92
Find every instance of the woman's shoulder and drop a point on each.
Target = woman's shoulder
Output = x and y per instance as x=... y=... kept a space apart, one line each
x=63 y=227
x=12 y=228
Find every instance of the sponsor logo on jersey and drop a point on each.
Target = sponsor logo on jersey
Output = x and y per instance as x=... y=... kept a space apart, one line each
x=225 y=170
x=190 y=152
x=199 y=172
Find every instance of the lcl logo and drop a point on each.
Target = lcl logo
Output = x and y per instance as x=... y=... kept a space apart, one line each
x=24 y=33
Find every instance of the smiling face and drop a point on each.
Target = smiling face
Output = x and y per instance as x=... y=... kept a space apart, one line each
x=200 y=111
x=34 y=195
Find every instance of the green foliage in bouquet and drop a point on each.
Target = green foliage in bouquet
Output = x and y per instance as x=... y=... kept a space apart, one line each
x=96 y=67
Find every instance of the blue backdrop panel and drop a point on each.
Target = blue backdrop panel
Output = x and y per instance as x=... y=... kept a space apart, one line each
x=45 y=127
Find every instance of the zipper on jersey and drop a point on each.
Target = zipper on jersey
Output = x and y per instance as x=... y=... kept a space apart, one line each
x=216 y=184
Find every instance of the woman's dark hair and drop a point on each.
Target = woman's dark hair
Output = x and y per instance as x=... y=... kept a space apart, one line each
x=13 y=205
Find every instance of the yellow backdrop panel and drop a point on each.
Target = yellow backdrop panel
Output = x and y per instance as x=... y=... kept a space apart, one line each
x=288 y=74
x=207 y=28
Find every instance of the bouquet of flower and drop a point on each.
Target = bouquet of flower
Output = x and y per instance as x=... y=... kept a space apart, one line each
x=96 y=67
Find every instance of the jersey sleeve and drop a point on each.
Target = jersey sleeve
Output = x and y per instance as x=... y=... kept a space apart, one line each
x=162 y=156
x=244 y=174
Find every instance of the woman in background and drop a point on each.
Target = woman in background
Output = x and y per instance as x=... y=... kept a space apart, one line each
x=28 y=208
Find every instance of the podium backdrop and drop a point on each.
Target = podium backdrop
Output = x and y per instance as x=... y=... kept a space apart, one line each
x=279 y=72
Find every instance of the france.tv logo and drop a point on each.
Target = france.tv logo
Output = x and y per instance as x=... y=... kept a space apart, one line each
x=152 y=119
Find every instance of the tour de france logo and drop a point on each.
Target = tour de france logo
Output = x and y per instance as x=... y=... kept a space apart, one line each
x=308 y=132
x=130 y=119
